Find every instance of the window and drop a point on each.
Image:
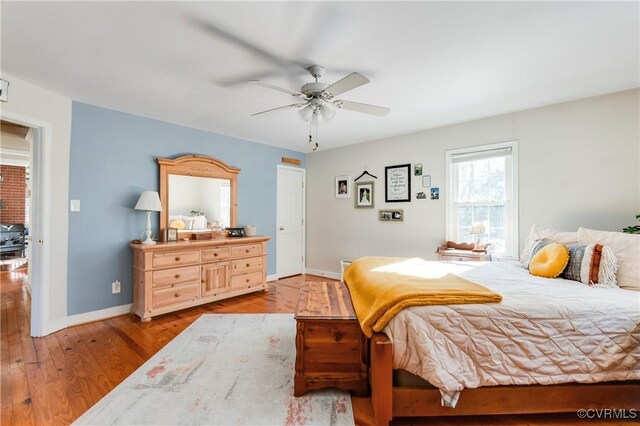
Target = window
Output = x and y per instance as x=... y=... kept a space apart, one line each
x=483 y=188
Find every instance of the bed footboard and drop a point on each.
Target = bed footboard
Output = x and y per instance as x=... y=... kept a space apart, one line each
x=388 y=401
x=381 y=378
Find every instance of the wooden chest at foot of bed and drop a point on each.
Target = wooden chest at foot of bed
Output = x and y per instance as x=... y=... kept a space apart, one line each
x=331 y=350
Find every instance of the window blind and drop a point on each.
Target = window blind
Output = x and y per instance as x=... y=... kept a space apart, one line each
x=480 y=154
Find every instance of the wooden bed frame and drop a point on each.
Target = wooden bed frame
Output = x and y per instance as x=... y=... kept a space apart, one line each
x=389 y=401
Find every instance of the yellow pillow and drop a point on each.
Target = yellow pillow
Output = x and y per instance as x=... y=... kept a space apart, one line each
x=550 y=261
x=178 y=224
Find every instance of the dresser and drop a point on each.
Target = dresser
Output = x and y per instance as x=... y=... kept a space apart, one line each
x=170 y=276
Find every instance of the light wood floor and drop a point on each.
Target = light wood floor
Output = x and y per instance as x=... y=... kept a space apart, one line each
x=54 y=379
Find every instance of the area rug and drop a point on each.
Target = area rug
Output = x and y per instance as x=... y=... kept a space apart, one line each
x=228 y=369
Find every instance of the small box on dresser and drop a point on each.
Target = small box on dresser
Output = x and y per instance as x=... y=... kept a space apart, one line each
x=176 y=275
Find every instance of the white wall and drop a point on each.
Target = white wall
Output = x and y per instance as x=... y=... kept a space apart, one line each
x=29 y=101
x=578 y=166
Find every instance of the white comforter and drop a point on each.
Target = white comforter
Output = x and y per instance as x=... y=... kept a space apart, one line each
x=545 y=331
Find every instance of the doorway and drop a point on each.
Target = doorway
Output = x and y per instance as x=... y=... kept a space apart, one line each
x=22 y=155
x=290 y=221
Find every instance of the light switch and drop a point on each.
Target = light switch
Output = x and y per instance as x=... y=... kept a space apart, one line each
x=75 y=205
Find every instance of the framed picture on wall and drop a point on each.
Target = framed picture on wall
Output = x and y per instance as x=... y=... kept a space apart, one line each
x=364 y=194
x=397 y=180
x=343 y=186
x=391 y=215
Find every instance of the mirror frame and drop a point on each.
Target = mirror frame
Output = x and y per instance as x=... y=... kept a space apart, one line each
x=199 y=166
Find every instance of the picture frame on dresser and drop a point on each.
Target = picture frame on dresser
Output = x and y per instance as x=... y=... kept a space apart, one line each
x=172 y=234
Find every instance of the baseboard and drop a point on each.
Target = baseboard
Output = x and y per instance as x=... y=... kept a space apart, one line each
x=273 y=277
x=98 y=315
x=321 y=273
x=53 y=326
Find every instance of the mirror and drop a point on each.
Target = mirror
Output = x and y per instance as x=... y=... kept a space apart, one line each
x=197 y=191
x=199 y=203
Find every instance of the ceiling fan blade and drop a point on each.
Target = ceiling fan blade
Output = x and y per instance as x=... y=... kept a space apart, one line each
x=279 y=89
x=364 y=108
x=279 y=108
x=350 y=82
x=235 y=39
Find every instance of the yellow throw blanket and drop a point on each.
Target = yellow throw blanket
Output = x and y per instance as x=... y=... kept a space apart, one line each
x=381 y=287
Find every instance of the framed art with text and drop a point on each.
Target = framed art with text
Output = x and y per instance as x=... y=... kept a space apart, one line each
x=397 y=180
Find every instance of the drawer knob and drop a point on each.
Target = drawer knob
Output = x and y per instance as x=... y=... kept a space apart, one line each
x=248 y=264
x=247 y=250
x=176 y=295
x=248 y=280
x=177 y=258
x=215 y=254
x=177 y=276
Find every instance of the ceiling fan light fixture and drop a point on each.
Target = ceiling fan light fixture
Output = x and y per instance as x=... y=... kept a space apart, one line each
x=327 y=112
x=314 y=118
x=305 y=113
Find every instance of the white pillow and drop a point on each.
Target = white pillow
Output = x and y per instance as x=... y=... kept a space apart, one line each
x=627 y=250
x=198 y=223
x=539 y=232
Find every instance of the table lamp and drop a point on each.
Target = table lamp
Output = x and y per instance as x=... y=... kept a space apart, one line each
x=150 y=202
x=478 y=229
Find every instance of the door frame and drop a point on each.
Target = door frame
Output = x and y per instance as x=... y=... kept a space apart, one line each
x=40 y=212
x=304 y=215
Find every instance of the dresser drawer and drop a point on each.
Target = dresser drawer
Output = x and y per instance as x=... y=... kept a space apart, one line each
x=246 y=250
x=215 y=254
x=246 y=265
x=247 y=280
x=176 y=276
x=178 y=258
x=169 y=296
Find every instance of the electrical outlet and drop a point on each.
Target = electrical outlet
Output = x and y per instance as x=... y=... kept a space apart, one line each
x=115 y=287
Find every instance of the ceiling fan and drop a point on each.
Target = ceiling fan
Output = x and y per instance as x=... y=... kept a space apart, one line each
x=318 y=99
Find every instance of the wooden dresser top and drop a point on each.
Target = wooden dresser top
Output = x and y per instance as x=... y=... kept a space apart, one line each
x=197 y=244
x=324 y=300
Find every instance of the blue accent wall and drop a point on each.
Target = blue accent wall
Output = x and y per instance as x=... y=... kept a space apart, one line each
x=112 y=160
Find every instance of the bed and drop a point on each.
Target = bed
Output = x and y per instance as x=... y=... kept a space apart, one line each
x=549 y=346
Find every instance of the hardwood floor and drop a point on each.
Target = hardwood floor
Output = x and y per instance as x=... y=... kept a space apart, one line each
x=54 y=379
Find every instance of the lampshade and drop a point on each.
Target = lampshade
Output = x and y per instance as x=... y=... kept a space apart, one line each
x=149 y=201
x=478 y=228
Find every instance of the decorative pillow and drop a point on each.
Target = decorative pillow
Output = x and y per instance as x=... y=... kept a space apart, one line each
x=198 y=223
x=539 y=232
x=549 y=261
x=626 y=248
x=177 y=223
x=537 y=246
x=592 y=264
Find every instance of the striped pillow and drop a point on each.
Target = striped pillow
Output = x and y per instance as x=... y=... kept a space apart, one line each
x=537 y=246
x=592 y=264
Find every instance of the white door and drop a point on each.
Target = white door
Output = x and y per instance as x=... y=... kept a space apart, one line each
x=290 y=221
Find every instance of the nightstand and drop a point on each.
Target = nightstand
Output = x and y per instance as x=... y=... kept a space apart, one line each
x=464 y=255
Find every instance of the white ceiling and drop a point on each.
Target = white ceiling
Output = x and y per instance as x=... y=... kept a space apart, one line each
x=432 y=63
